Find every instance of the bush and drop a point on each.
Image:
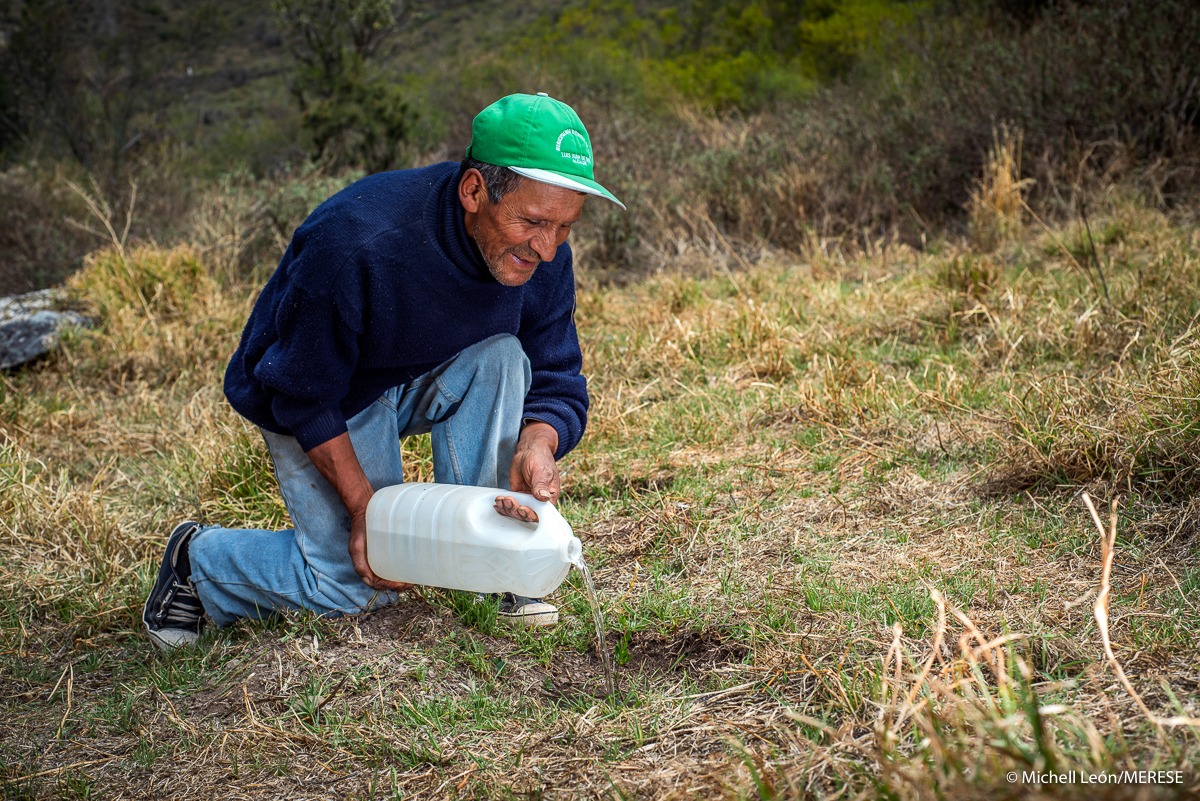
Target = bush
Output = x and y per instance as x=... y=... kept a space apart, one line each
x=354 y=116
x=154 y=283
x=37 y=246
x=732 y=128
x=162 y=317
x=1109 y=397
x=1100 y=92
x=1112 y=435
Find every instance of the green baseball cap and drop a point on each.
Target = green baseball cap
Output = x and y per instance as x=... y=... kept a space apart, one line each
x=540 y=138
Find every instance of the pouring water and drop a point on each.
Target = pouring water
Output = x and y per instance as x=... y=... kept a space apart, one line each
x=589 y=588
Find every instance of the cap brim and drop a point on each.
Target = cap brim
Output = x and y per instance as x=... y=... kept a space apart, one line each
x=567 y=182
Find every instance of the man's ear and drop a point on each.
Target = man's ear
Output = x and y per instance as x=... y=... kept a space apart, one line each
x=472 y=191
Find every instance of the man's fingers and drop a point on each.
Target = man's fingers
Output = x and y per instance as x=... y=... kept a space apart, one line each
x=545 y=485
x=358 y=557
x=390 y=586
x=375 y=582
x=510 y=508
x=534 y=471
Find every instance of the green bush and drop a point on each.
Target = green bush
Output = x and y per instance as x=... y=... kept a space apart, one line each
x=354 y=115
x=778 y=122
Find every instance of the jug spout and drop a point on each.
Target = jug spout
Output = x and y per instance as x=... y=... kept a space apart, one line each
x=571 y=551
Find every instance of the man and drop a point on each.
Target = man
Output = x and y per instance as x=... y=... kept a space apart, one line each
x=435 y=300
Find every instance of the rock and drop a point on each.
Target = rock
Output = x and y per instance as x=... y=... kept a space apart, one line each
x=29 y=325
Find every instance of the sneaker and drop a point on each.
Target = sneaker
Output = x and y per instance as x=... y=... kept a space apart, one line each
x=173 y=615
x=515 y=610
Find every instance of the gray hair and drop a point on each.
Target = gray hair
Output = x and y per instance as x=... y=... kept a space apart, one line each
x=498 y=180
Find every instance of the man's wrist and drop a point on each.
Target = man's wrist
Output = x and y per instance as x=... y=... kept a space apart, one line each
x=535 y=433
x=337 y=462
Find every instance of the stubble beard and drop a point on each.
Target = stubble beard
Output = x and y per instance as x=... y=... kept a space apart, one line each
x=495 y=266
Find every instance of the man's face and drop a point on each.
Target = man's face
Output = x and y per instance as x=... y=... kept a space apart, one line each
x=523 y=230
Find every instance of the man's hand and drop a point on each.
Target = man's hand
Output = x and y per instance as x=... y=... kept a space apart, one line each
x=338 y=463
x=533 y=471
x=358 y=555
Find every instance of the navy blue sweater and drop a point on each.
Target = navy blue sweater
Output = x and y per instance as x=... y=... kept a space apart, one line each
x=381 y=284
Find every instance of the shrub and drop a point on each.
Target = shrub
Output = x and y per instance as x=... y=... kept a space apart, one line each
x=1087 y=93
x=155 y=283
x=1100 y=91
x=996 y=207
x=1109 y=396
x=354 y=115
x=1134 y=436
x=37 y=247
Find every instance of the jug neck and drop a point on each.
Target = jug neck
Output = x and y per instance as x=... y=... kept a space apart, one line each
x=571 y=551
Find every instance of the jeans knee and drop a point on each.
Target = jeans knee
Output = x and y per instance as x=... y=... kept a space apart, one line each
x=503 y=355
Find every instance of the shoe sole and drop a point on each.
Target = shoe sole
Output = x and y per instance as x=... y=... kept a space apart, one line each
x=168 y=640
x=528 y=619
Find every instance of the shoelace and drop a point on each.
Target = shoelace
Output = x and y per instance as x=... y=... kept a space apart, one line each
x=183 y=607
x=511 y=603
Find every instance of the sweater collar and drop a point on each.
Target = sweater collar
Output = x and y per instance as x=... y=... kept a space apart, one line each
x=447 y=224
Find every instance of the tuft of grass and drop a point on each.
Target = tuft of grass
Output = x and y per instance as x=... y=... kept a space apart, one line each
x=1121 y=431
x=997 y=204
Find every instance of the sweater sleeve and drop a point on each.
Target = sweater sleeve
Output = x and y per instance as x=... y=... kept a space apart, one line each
x=558 y=392
x=308 y=369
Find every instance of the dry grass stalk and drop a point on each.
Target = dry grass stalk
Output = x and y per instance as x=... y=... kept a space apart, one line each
x=961 y=713
x=102 y=210
x=959 y=725
x=1108 y=541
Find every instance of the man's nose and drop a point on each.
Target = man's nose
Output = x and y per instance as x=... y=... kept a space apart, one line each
x=544 y=245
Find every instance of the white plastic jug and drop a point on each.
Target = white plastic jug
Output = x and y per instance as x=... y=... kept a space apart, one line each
x=449 y=535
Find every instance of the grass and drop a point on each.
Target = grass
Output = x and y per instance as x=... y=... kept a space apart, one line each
x=830 y=504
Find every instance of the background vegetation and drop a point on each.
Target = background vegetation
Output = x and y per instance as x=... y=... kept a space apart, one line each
x=764 y=123
x=899 y=283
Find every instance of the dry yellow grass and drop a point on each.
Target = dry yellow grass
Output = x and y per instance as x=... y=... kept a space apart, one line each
x=997 y=204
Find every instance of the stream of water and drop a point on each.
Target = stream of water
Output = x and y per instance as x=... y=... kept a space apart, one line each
x=589 y=589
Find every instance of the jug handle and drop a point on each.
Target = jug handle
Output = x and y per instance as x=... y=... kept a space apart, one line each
x=547 y=512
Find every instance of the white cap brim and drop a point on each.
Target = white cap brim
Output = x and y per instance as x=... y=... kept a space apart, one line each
x=565 y=181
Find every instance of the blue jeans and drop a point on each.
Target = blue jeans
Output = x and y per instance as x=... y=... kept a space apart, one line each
x=471 y=406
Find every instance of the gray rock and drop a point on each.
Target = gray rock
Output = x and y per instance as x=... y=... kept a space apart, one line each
x=30 y=324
